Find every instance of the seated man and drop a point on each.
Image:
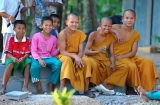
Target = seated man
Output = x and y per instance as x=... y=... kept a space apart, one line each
x=141 y=70
x=70 y=42
x=101 y=66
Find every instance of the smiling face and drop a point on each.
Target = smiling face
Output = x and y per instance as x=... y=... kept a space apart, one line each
x=129 y=18
x=56 y=22
x=47 y=26
x=20 y=30
x=106 y=25
x=72 y=22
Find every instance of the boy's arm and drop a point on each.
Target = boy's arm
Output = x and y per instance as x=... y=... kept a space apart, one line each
x=89 y=45
x=9 y=55
x=112 y=57
x=54 y=51
x=114 y=30
x=29 y=5
x=55 y=4
x=131 y=53
x=81 y=52
x=34 y=47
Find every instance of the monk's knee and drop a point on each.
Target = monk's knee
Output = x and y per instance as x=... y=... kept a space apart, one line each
x=66 y=59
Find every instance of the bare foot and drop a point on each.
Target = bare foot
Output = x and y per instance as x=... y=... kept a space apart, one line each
x=40 y=92
x=142 y=91
x=144 y=97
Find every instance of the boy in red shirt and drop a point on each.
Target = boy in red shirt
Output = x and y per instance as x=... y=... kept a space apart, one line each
x=17 y=50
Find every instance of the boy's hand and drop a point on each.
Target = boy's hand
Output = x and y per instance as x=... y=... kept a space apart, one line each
x=117 y=57
x=78 y=62
x=102 y=49
x=21 y=59
x=30 y=3
x=34 y=22
x=42 y=63
x=113 y=67
x=15 y=60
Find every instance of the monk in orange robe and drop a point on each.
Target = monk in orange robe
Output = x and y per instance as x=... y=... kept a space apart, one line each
x=101 y=66
x=142 y=71
x=70 y=41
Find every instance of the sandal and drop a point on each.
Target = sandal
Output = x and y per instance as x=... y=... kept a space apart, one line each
x=2 y=91
x=89 y=94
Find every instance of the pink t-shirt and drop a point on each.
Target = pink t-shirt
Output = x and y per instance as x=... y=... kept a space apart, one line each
x=43 y=47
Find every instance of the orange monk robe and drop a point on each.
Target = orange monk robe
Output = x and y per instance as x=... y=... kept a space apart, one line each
x=147 y=72
x=101 y=66
x=68 y=71
x=146 y=75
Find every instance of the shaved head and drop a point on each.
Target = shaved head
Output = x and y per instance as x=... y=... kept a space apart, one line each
x=106 y=19
x=72 y=14
x=130 y=10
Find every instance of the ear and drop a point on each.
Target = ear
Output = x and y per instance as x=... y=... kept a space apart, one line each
x=66 y=22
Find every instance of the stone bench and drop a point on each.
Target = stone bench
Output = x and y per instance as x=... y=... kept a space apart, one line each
x=16 y=82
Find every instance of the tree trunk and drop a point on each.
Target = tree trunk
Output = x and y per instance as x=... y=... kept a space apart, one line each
x=64 y=14
x=93 y=13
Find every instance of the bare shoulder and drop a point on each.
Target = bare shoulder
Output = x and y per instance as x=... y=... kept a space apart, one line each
x=62 y=34
x=116 y=26
x=93 y=34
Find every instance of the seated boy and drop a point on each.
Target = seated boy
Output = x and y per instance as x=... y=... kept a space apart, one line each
x=44 y=49
x=56 y=24
x=17 y=50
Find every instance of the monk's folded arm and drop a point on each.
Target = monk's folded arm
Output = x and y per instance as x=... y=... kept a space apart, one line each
x=133 y=51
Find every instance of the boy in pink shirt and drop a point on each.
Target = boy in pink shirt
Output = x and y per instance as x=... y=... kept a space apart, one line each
x=44 y=49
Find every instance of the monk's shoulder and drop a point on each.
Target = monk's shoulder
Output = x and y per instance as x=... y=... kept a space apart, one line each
x=62 y=33
x=136 y=32
x=93 y=34
x=116 y=26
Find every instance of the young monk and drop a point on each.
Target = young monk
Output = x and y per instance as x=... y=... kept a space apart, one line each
x=70 y=42
x=142 y=71
x=102 y=67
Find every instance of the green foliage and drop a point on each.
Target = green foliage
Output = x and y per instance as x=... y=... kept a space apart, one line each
x=156 y=38
x=108 y=8
x=62 y=98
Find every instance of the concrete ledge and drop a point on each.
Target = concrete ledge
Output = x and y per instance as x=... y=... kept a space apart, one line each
x=148 y=49
x=16 y=82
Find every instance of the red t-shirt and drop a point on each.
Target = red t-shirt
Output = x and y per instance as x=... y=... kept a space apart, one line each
x=18 y=49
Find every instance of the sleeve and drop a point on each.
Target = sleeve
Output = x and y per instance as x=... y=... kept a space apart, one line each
x=34 y=47
x=82 y=37
x=9 y=46
x=2 y=5
x=137 y=37
x=54 y=50
x=28 y=48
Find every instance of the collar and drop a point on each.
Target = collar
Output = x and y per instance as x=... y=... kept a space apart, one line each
x=16 y=40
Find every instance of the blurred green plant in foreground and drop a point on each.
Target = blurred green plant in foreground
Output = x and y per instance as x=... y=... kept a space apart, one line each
x=62 y=98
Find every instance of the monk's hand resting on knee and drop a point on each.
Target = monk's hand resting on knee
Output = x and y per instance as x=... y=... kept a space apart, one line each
x=113 y=67
x=41 y=62
x=15 y=60
x=78 y=62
